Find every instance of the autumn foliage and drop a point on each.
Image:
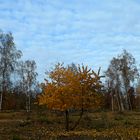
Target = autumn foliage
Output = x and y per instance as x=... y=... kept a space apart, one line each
x=67 y=89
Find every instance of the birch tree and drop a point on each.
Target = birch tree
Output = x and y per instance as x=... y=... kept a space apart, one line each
x=121 y=73
x=29 y=80
x=9 y=56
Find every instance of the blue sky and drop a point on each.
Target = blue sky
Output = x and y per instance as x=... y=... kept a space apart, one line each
x=80 y=31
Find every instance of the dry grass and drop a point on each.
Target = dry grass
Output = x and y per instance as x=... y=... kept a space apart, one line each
x=46 y=125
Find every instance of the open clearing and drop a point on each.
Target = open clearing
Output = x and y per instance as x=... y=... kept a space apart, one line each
x=46 y=125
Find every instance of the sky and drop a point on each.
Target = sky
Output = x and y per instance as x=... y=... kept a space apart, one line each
x=91 y=32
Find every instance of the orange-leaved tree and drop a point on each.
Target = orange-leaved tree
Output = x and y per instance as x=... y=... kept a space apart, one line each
x=68 y=89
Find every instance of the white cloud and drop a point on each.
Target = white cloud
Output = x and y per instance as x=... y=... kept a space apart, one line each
x=88 y=31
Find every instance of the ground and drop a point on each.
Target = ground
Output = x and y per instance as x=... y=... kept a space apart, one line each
x=50 y=125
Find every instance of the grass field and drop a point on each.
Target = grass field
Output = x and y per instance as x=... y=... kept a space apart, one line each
x=50 y=126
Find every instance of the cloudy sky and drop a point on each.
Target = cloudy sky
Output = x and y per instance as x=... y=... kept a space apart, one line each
x=80 y=31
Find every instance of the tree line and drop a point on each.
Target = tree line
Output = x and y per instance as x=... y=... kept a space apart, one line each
x=122 y=82
x=67 y=88
x=17 y=77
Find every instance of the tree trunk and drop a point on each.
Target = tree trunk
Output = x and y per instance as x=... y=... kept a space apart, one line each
x=29 y=104
x=1 y=98
x=112 y=101
x=67 y=120
x=27 y=101
x=118 y=101
x=129 y=102
x=78 y=121
x=82 y=111
x=121 y=102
